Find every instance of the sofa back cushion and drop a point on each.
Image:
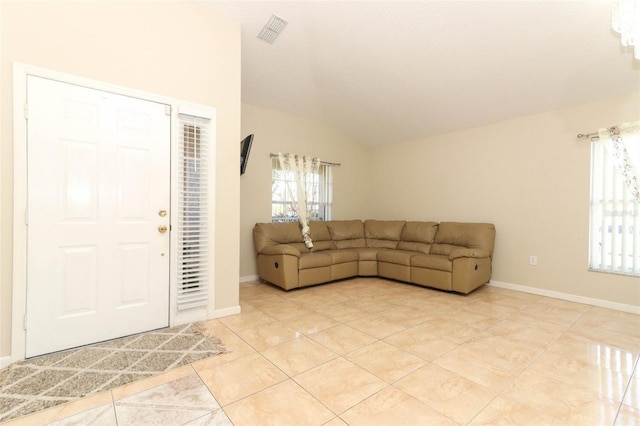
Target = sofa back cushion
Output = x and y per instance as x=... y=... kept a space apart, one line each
x=383 y=233
x=320 y=236
x=347 y=233
x=418 y=236
x=472 y=235
x=268 y=234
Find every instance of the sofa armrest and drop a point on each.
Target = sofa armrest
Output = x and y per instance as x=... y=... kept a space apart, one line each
x=281 y=249
x=468 y=252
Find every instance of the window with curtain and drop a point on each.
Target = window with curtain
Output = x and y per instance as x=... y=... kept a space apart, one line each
x=615 y=201
x=320 y=197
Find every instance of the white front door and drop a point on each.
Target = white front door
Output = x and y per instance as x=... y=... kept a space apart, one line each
x=98 y=190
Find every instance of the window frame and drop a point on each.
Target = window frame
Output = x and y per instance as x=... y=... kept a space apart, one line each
x=612 y=208
x=192 y=212
x=322 y=202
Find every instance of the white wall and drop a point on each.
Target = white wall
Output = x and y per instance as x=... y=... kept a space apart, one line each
x=279 y=132
x=529 y=176
x=178 y=49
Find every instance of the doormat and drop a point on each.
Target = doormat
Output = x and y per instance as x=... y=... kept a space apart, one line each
x=42 y=382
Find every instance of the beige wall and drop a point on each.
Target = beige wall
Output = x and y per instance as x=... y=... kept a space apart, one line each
x=529 y=176
x=279 y=132
x=172 y=48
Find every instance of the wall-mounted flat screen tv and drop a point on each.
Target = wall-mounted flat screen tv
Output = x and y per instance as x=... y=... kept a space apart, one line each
x=245 y=148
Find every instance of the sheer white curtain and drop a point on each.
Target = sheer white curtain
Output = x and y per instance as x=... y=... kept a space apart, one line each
x=623 y=147
x=614 y=237
x=303 y=169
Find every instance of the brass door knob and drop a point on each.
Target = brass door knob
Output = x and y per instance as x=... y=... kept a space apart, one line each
x=162 y=229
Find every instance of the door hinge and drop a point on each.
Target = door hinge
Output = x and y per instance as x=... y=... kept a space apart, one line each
x=167 y=110
x=24 y=325
x=26 y=111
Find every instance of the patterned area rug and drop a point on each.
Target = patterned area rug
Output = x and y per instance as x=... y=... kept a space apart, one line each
x=48 y=380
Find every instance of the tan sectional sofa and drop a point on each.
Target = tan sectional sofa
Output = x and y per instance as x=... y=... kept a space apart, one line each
x=450 y=256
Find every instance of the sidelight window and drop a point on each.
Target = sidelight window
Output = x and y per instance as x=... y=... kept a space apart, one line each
x=193 y=243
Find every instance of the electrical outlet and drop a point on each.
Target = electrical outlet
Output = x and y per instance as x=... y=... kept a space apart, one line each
x=533 y=260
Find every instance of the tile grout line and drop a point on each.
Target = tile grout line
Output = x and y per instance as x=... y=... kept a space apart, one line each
x=533 y=360
x=289 y=377
x=193 y=372
x=626 y=389
x=345 y=357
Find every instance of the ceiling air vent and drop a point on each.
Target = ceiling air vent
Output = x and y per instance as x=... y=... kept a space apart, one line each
x=272 y=28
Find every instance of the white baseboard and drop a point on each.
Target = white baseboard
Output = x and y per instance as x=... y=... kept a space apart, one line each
x=633 y=309
x=5 y=361
x=219 y=313
x=249 y=278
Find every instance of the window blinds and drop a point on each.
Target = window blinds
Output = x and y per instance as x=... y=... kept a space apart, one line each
x=615 y=218
x=192 y=222
x=320 y=192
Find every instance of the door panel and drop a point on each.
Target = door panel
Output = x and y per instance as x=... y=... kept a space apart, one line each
x=133 y=184
x=134 y=281
x=79 y=276
x=98 y=173
x=81 y=181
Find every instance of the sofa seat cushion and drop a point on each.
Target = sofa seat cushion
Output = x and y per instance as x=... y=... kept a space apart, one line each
x=342 y=256
x=314 y=260
x=398 y=257
x=432 y=261
x=368 y=253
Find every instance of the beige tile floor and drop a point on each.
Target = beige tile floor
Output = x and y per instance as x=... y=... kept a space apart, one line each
x=376 y=352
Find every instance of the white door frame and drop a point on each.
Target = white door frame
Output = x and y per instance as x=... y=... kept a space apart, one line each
x=19 y=302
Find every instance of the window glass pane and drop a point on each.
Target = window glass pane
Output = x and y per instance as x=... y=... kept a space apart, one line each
x=615 y=216
x=284 y=190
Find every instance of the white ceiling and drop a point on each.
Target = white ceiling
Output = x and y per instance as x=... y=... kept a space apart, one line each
x=390 y=71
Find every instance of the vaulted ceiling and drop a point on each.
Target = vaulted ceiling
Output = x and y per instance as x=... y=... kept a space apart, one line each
x=391 y=71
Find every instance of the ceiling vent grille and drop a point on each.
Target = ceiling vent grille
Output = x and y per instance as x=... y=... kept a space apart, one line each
x=272 y=28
